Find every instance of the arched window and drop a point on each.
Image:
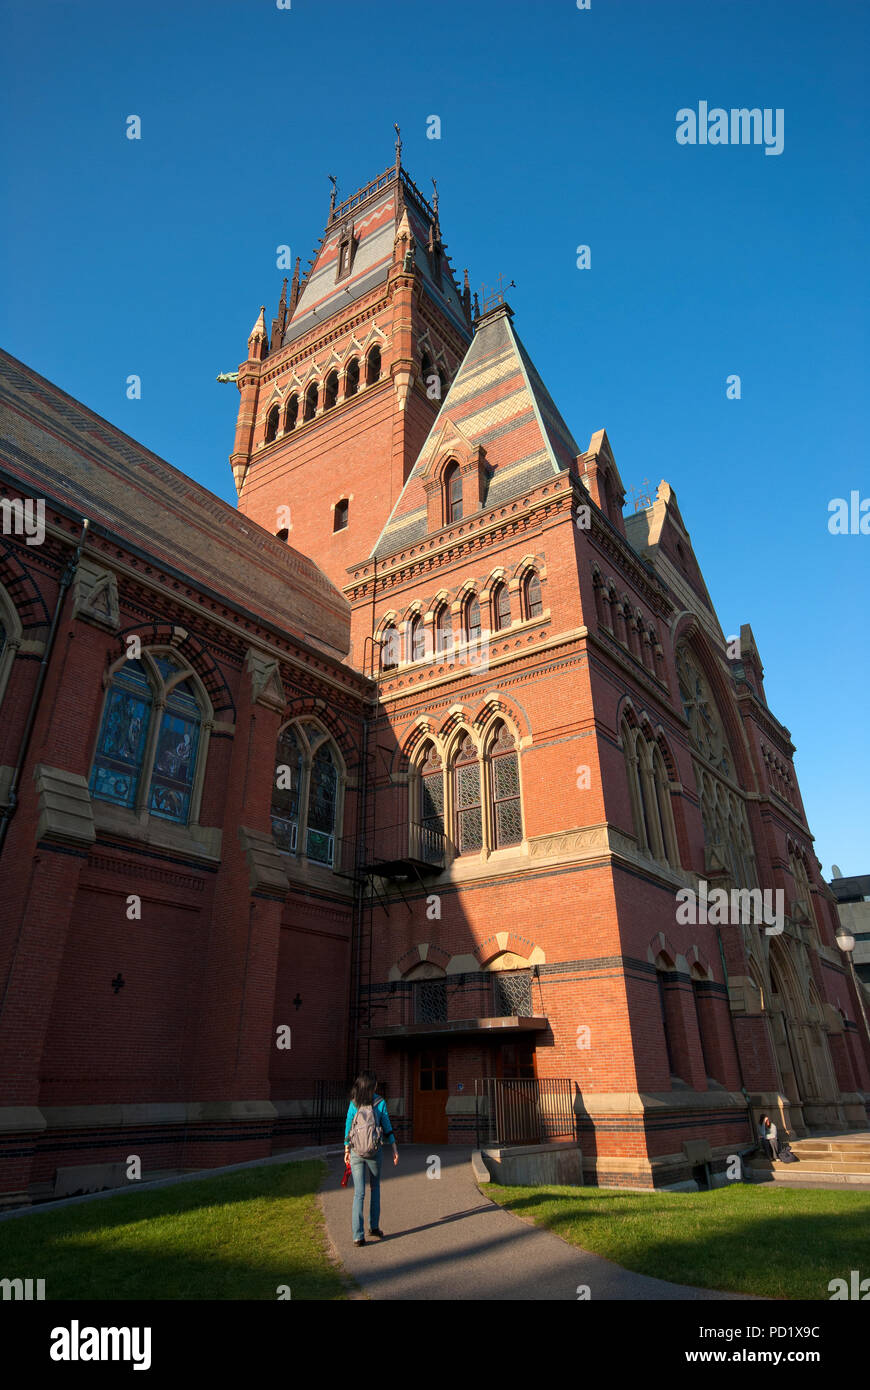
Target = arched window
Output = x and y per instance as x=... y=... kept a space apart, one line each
x=143 y=763
x=10 y=637
x=351 y=378
x=466 y=799
x=389 y=649
x=320 y=840
x=431 y=808
x=668 y=1009
x=425 y=368
x=305 y=795
x=283 y=534
x=339 y=518
x=291 y=414
x=416 y=640
x=272 y=424
x=373 y=365
x=452 y=494
x=472 y=619
x=501 y=607
x=506 y=814
x=330 y=391
x=310 y=402
x=723 y=812
x=286 y=792
x=706 y=1029
x=533 y=603
x=661 y=787
x=444 y=630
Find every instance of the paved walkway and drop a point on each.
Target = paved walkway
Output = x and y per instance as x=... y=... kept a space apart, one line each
x=445 y=1240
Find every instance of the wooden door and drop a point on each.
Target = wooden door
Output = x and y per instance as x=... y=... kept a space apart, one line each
x=430 y=1097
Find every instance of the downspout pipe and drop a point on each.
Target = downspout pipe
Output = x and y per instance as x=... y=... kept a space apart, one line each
x=65 y=582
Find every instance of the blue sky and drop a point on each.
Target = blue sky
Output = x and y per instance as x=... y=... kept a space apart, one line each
x=558 y=129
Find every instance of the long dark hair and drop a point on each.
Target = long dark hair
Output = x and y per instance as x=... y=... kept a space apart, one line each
x=363 y=1090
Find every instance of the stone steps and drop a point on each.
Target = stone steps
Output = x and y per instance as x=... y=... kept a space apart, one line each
x=829 y=1160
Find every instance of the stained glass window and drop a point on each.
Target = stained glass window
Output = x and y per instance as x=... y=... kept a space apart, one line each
x=323 y=787
x=506 y=809
x=286 y=791
x=133 y=767
x=175 y=759
x=469 y=818
x=121 y=744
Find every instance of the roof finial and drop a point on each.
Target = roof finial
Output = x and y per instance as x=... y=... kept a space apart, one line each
x=398 y=145
x=334 y=182
x=435 y=199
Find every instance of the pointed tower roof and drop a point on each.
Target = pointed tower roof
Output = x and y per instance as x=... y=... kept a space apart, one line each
x=497 y=401
x=259 y=328
x=373 y=216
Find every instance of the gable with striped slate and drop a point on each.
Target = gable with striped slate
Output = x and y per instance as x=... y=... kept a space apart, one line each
x=498 y=402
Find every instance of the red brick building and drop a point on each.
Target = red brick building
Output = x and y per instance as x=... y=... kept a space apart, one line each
x=512 y=742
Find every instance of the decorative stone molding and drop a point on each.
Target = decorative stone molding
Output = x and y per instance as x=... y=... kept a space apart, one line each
x=604 y=841
x=266 y=684
x=95 y=595
x=65 y=810
x=265 y=862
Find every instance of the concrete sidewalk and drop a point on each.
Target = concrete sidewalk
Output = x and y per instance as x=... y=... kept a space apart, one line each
x=445 y=1240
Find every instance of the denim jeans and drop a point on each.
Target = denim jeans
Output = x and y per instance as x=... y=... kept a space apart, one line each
x=358 y=1168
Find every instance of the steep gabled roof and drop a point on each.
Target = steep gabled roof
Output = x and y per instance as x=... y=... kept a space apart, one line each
x=497 y=401
x=56 y=447
x=374 y=213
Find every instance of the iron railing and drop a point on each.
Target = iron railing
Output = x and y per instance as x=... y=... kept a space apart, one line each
x=392 y=846
x=538 y=1111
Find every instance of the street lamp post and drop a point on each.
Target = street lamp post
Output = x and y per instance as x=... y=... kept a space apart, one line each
x=846 y=943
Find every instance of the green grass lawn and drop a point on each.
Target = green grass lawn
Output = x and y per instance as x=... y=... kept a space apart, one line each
x=237 y=1236
x=773 y=1242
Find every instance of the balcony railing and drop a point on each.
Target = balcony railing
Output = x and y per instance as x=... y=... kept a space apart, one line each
x=396 y=850
x=539 y=1111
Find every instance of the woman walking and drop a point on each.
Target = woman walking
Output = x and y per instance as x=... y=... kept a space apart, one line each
x=365 y=1128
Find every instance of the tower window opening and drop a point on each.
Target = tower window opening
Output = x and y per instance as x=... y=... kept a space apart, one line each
x=534 y=601
x=351 y=379
x=291 y=414
x=339 y=519
x=453 y=493
x=272 y=424
x=330 y=391
x=310 y=402
x=373 y=366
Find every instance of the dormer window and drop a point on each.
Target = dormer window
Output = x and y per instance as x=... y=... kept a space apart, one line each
x=452 y=493
x=344 y=260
